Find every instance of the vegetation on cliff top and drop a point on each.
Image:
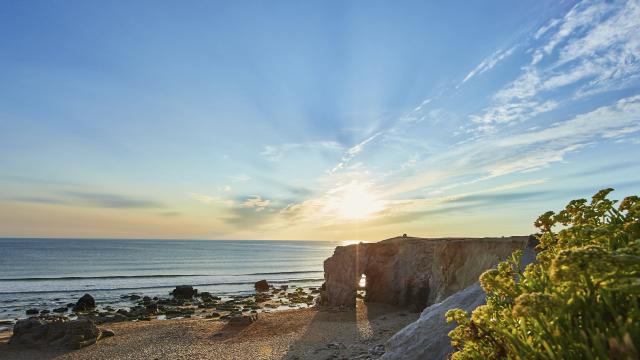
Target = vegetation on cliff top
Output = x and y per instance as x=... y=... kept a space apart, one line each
x=579 y=300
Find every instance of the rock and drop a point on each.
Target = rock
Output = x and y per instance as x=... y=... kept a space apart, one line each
x=107 y=333
x=32 y=311
x=427 y=338
x=152 y=308
x=108 y=318
x=85 y=303
x=58 y=333
x=134 y=297
x=412 y=272
x=377 y=350
x=184 y=291
x=243 y=319
x=261 y=285
x=44 y=312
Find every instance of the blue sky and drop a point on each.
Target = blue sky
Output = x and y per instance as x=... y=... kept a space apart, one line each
x=312 y=120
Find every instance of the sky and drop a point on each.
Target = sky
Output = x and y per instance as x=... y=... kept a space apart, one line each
x=329 y=120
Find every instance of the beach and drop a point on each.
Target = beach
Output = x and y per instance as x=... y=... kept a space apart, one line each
x=310 y=333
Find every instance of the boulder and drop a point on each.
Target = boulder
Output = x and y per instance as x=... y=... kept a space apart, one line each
x=261 y=285
x=59 y=333
x=32 y=311
x=184 y=291
x=85 y=303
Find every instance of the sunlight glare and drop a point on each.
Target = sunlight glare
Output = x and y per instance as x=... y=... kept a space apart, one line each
x=355 y=201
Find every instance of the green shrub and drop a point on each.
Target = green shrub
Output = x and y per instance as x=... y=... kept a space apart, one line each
x=579 y=300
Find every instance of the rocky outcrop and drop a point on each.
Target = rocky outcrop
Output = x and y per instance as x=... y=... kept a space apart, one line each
x=428 y=338
x=74 y=334
x=85 y=303
x=409 y=271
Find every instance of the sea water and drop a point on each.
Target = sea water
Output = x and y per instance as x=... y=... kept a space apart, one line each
x=49 y=273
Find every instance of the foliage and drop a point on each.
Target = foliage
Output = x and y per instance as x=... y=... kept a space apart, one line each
x=580 y=299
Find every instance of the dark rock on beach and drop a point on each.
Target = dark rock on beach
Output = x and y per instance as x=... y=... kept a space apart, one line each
x=32 y=311
x=184 y=291
x=85 y=303
x=58 y=333
x=262 y=285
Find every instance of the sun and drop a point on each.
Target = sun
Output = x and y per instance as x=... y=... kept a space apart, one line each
x=355 y=201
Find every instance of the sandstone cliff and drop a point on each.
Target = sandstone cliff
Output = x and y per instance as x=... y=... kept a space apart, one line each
x=412 y=272
x=428 y=338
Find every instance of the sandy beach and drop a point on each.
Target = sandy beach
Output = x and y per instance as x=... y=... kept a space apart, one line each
x=313 y=333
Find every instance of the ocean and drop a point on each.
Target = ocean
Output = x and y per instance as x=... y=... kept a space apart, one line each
x=49 y=273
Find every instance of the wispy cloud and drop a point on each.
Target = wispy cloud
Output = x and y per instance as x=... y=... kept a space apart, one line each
x=93 y=199
x=353 y=152
x=593 y=48
x=489 y=63
x=211 y=199
x=256 y=202
x=239 y=178
x=278 y=152
x=107 y=200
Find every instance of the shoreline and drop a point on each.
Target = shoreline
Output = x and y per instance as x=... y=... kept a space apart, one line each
x=278 y=297
x=308 y=333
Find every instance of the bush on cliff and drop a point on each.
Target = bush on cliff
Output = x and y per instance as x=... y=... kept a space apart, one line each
x=579 y=300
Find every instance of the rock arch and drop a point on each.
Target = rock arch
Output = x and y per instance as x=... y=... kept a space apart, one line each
x=411 y=272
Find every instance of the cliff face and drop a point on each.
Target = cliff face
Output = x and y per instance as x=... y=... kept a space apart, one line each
x=413 y=272
x=428 y=337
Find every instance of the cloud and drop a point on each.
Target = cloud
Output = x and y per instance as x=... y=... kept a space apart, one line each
x=170 y=213
x=608 y=168
x=353 y=152
x=278 y=152
x=211 y=199
x=93 y=199
x=114 y=201
x=239 y=178
x=594 y=48
x=621 y=118
x=514 y=111
x=502 y=198
x=544 y=29
x=489 y=63
x=255 y=202
x=39 y=200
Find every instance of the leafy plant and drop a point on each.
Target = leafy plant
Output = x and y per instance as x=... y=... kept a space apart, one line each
x=580 y=299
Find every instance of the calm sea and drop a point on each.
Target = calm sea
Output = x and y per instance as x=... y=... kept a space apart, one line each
x=48 y=273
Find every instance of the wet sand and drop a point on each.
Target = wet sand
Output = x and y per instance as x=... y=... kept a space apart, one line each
x=312 y=333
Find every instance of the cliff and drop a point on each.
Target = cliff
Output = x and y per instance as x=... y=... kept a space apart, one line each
x=428 y=338
x=413 y=272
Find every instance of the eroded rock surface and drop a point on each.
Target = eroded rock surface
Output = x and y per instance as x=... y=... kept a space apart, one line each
x=74 y=334
x=414 y=272
x=428 y=337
